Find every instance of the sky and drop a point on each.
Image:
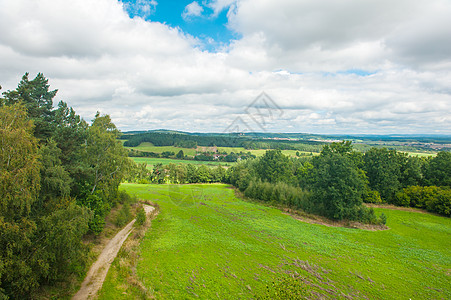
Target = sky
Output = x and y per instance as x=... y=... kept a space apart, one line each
x=313 y=66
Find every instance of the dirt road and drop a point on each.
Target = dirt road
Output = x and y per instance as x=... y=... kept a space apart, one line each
x=98 y=271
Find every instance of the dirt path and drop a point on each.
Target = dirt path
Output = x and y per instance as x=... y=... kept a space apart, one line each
x=98 y=271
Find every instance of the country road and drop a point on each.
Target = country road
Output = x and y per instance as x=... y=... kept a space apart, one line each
x=98 y=271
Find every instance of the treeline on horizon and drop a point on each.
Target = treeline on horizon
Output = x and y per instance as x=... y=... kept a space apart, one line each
x=59 y=179
x=225 y=140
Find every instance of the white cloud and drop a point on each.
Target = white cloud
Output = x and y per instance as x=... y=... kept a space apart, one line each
x=148 y=75
x=192 y=10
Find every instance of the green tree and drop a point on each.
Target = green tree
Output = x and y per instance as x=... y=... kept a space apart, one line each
x=180 y=154
x=273 y=166
x=338 y=187
x=19 y=189
x=438 y=171
x=383 y=169
x=19 y=163
x=38 y=99
x=105 y=156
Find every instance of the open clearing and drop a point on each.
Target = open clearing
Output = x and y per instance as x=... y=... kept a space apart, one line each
x=208 y=244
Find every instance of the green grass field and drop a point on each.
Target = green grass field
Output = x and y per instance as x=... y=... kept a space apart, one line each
x=208 y=244
x=149 y=147
x=150 y=161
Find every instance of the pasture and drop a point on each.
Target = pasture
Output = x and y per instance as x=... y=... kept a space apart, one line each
x=151 y=161
x=208 y=244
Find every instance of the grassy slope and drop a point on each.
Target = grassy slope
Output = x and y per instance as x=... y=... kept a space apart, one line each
x=230 y=248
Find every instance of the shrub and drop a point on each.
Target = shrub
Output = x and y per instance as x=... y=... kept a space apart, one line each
x=141 y=216
x=123 y=215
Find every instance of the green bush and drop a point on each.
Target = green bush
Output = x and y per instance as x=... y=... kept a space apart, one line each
x=141 y=216
x=372 y=197
x=433 y=198
x=123 y=216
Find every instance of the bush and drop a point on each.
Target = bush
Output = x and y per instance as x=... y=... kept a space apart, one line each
x=141 y=216
x=372 y=197
x=123 y=215
x=433 y=198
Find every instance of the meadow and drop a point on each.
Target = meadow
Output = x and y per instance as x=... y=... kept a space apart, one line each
x=206 y=243
x=152 y=161
x=149 y=147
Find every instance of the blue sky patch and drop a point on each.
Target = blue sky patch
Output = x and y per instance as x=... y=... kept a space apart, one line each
x=211 y=30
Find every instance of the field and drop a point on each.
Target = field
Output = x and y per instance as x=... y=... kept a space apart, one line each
x=150 y=161
x=149 y=147
x=208 y=244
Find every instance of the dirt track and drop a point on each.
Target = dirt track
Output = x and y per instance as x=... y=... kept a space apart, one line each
x=98 y=271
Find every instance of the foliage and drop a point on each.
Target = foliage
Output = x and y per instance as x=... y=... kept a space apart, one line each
x=123 y=216
x=141 y=216
x=339 y=186
x=58 y=176
x=438 y=171
x=432 y=198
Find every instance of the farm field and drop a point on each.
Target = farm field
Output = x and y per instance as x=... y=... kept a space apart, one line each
x=151 y=161
x=149 y=147
x=206 y=243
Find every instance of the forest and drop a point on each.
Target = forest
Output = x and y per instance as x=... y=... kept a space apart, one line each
x=60 y=177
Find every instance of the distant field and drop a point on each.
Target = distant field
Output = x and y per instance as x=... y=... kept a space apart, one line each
x=166 y=161
x=187 y=151
x=421 y=154
x=149 y=147
x=208 y=244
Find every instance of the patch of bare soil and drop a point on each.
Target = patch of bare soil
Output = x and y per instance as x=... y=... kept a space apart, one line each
x=314 y=219
x=98 y=271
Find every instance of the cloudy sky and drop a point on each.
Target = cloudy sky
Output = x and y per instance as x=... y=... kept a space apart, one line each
x=349 y=66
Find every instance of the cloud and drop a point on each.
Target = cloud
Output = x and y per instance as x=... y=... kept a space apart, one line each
x=304 y=54
x=330 y=35
x=192 y=10
x=141 y=8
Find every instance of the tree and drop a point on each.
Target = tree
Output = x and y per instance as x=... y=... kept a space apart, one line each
x=438 y=171
x=19 y=163
x=383 y=169
x=180 y=154
x=105 y=156
x=19 y=189
x=273 y=167
x=38 y=100
x=338 y=186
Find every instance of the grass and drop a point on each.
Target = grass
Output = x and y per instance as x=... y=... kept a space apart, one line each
x=150 y=161
x=149 y=147
x=208 y=244
x=422 y=154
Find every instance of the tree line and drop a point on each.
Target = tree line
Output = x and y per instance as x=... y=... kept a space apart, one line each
x=59 y=178
x=224 y=140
